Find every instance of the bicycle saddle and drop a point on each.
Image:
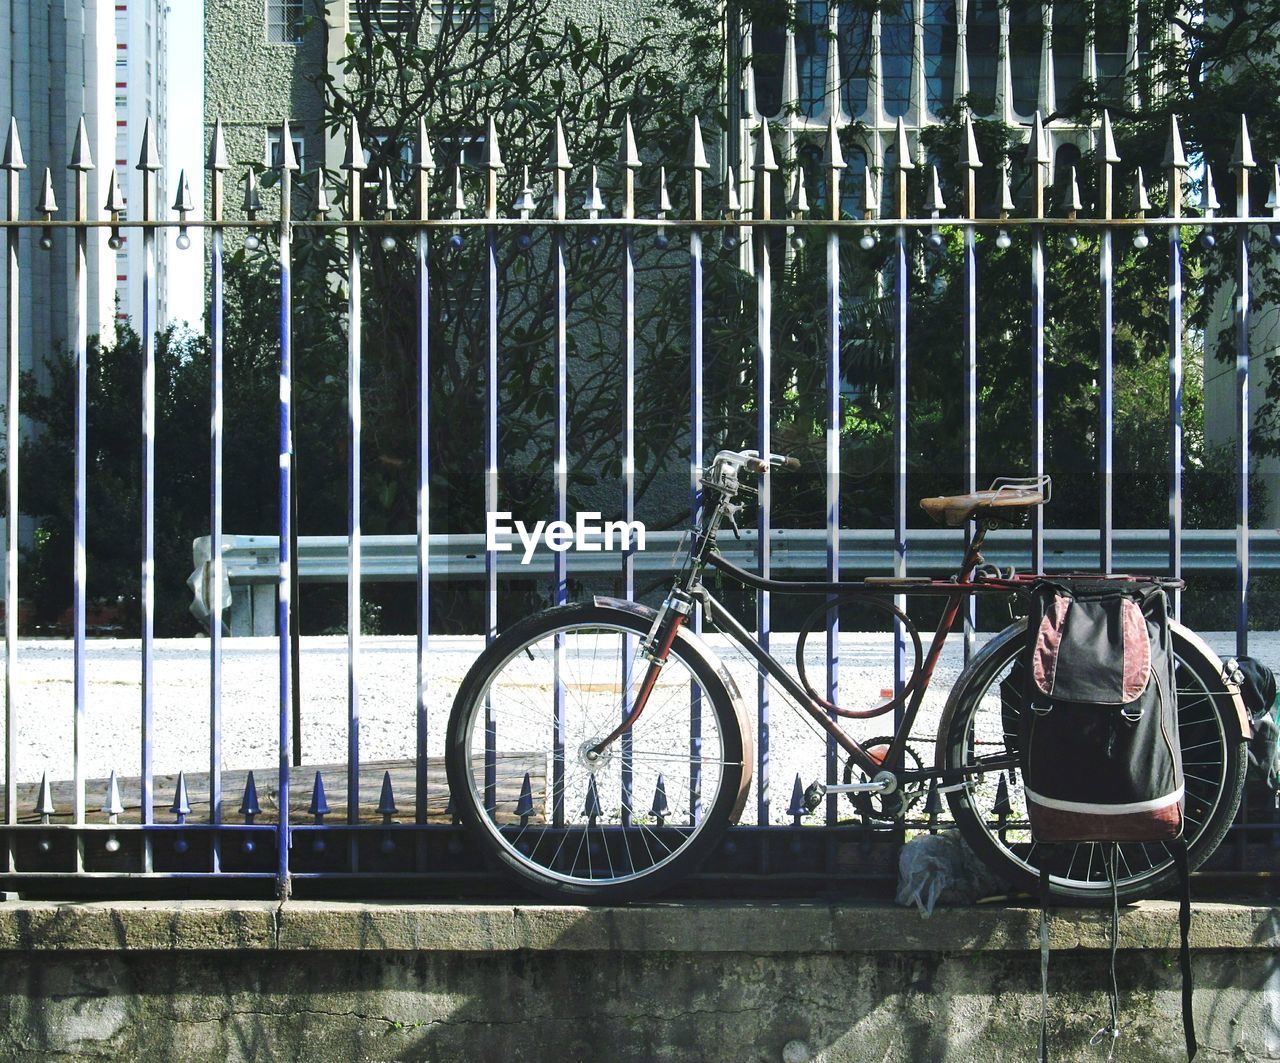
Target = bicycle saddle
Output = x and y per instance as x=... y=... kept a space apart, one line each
x=1006 y=500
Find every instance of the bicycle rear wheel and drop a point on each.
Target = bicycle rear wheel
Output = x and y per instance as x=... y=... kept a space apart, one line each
x=574 y=826
x=980 y=723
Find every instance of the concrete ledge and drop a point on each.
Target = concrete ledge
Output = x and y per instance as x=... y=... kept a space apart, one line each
x=765 y=928
x=342 y=982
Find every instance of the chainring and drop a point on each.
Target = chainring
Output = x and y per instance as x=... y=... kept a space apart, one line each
x=885 y=808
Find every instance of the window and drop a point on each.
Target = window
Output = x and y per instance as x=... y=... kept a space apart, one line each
x=1026 y=35
x=382 y=16
x=284 y=21
x=1111 y=39
x=811 y=56
x=274 y=154
x=474 y=16
x=939 y=53
x=854 y=33
x=1068 y=49
x=897 y=42
x=984 y=45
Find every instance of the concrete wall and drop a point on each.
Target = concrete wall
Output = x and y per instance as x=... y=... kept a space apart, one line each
x=330 y=981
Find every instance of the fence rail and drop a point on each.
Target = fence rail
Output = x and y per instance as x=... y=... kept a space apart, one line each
x=386 y=846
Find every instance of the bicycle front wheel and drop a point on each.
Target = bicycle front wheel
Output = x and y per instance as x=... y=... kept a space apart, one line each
x=572 y=824
x=980 y=724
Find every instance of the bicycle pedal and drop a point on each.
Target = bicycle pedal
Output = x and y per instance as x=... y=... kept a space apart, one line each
x=813 y=795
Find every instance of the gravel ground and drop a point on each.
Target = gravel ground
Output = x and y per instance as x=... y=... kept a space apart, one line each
x=112 y=737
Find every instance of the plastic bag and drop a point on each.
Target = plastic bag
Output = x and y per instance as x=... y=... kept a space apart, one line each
x=941 y=868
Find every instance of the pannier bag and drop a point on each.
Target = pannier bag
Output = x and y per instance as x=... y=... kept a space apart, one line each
x=1101 y=760
x=1098 y=744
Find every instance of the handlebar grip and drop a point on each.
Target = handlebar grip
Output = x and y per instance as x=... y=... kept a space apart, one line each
x=755 y=465
x=791 y=463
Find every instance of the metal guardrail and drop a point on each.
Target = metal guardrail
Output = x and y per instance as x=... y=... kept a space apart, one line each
x=255 y=559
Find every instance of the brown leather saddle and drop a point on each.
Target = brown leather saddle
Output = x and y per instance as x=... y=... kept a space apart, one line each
x=1006 y=501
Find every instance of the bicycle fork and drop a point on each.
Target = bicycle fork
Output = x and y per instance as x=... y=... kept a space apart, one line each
x=655 y=648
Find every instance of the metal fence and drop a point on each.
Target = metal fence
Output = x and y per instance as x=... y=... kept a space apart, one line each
x=379 y=841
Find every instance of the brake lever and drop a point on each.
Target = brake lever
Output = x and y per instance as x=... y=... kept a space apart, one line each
x=731 y=511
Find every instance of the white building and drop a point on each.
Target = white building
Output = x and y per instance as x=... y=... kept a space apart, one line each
x=105 y=59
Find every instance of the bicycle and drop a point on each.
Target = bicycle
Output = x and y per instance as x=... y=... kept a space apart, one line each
x=598 y=751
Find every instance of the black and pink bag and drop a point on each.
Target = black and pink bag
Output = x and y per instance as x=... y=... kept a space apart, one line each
x=1100 y=753
x=1098 y=742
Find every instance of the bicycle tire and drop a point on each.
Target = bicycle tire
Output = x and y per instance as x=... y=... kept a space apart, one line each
x=628 y=824
x=998 y=831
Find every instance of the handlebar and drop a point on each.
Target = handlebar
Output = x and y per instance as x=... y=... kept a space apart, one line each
x=752 y=461
x=724 y=469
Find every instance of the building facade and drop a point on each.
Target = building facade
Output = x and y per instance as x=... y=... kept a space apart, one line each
x=908 y=62
x=107 y=62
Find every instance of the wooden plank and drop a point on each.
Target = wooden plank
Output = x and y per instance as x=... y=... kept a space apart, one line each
x=511 y=769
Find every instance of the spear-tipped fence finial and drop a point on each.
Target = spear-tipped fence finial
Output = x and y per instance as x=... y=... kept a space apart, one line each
x=459 y=197
x=799 y=196
x=834 y=161
x=1175 y=158
x=13 y=159
x=1209 y=207
x=797 y=808
x=353 y=159
x=591 y=805
x=765 y=161
x=288 y=157
x=935 y=204
x=148 y=157
x=252 y=201
x=525 y=204
x=81 y=156
x=1038 y=143
x=319 y=807
x=559 y=149
x=1074 y=203
x=660 y=807
x=112 y=806
x=47 y=203
x=733 y=202
x=1141 y=201
x=44 y=800
x=969 y=156
x=217 y=158
x=902 y=147
x=524 y=803
x=386 y=799
x=387 y=195
x=1107 y=151
x=182 y=201
x=114 y=204
x=1242 y=150
x=181 y=806
x=249 y=806
x=322 y=205
x=629 y=157
x=593 y=201
x=664 y=197
x=1007 y=206
x=491 y=156
x=697 y=150
x=698 y=165
x=426 y=159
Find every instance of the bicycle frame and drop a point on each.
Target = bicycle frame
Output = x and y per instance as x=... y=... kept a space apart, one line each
x=689 y=590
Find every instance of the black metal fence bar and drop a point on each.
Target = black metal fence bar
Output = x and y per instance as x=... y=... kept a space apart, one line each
x=13 y=165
